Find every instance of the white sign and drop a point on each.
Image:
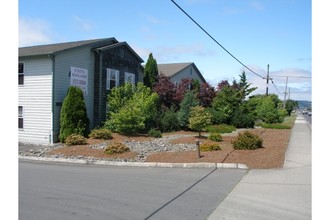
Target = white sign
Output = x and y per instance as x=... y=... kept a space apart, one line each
x=79 y=78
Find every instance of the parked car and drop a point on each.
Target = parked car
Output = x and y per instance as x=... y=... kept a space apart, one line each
x=310 y=113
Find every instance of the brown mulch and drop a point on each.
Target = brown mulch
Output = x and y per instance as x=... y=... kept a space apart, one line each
x=271 y=155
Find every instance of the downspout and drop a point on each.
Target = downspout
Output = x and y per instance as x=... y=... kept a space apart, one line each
x=51 y=135
x=100 y=85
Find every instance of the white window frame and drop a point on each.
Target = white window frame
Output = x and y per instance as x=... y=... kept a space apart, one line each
x=20 y=116
x=130 y=77
x=21 y=74
x=112 y=75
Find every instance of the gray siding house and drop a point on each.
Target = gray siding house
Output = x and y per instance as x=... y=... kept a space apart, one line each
x=179 y=71
x=45 y=73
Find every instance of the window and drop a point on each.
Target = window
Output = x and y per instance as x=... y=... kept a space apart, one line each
x=130 y=78
x=112 y=79
x=20 y=73
x=20 y=116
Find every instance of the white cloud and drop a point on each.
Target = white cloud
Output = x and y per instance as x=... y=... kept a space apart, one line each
x=33 y=31
x=83 y=24
x=297 y=83
x=170 y=54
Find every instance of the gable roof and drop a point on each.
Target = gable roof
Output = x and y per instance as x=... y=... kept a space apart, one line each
x=58 y=47
x=118 y=44
x=170 y=69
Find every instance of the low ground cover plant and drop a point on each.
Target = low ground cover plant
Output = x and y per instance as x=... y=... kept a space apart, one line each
x=209 y=147
x=221 y=128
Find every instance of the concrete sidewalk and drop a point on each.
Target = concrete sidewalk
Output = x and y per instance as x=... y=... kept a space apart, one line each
x=277 y=193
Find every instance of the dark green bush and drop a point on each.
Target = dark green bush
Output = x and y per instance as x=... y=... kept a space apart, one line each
x=75 y=139
x=209 y=147
x=214 y=136
x=242 y=119
x=73 y=116
x=222 y=128
x=169 y=121
x=116 y=148
x=154 y=133
x=247 y=141
x=101 y=133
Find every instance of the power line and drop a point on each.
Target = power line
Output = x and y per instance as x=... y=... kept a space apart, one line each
x=216 y=40
x=275 y=87
x=303 y=77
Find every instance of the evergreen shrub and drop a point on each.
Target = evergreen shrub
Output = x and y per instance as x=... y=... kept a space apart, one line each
x=154 y=133
x=214 y=136
x=247 y=141
x=209 y=147
x=73 y=116
x=75 y=139
x=101 y=133
x=169 y=121
x=116 y=148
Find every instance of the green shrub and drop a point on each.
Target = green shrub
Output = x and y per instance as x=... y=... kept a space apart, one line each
x=247 y=141
x=101 y=133
x=222 y=128
x=73 y=116
x=242 y=119
x=75 y=139
x=169 y=121
x=116 y=148
x=209 y=147
x=154 y=133
x=214 y=136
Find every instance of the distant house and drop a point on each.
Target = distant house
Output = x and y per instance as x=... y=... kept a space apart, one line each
x=179 y=71
x=45 y=73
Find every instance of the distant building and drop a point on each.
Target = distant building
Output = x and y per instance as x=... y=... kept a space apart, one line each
x=179 y=71
x=45 y=73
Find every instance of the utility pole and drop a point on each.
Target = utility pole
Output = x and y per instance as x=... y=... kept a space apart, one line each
x=286 y=87
x=267 y=82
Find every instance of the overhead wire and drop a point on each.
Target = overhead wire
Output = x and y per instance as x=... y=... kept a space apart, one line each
x=216 y=40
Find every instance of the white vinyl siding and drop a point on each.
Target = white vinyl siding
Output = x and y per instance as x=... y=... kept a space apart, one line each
x=112 y=78
x=130 y=78
x=35 y=99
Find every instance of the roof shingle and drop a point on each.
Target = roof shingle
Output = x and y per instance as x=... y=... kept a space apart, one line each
x=54 y=48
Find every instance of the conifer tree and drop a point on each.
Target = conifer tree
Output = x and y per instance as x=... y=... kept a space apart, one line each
x=150 y=72
x=73 y=116
x=188 y=101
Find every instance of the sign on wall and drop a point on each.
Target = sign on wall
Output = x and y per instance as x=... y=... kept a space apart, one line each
x=79 y=78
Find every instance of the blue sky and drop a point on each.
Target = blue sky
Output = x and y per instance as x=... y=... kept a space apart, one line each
x=257 y=32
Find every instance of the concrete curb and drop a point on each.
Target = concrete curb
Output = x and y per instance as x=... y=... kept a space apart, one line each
x=137 y=164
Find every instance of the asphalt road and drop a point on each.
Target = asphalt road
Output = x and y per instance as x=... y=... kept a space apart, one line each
x=64 y=191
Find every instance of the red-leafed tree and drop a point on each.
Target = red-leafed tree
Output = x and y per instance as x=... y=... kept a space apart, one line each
x=165 y=90
x=222 y=84
x=206 y=94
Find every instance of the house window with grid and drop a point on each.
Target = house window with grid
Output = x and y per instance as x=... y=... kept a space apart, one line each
x=20 y=117
x=112 y=79
x=130 y=78
x=20 y=73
